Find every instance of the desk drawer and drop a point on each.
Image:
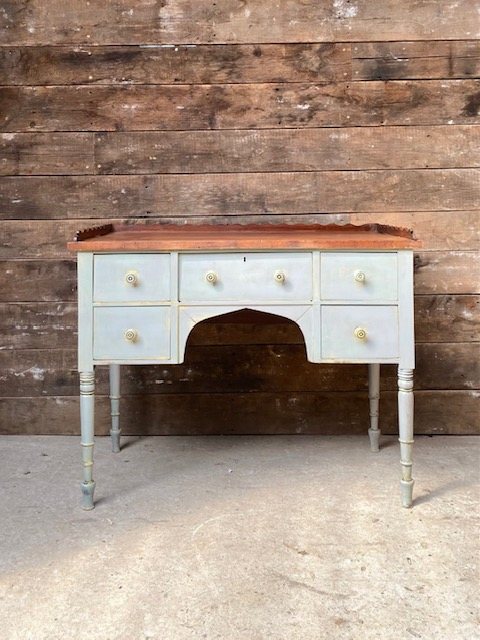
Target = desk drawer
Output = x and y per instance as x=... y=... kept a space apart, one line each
x=131 y=333
x=246 y=277
x=132 y=277
x=359 y=332
x=358 y=276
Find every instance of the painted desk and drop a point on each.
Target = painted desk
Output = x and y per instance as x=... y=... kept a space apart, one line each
x=141 y=290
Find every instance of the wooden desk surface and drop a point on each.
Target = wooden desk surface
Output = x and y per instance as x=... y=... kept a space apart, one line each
x=227 y=237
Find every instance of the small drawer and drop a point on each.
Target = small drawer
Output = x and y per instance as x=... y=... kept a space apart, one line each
x=131 y=277
x=358 y=276
x=359 y=332
x=131 y=333
x=243 y=277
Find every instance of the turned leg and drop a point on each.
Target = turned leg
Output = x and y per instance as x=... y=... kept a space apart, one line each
x=374 y=397
x=87 y=400
x=115 y=406
x=405 y=429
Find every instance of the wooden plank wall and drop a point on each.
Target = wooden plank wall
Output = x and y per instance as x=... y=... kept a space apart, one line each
x=168 y=110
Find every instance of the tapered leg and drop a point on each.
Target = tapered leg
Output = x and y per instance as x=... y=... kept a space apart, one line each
x=115 y=406
x=405 y=429
x=374 y=398
x=87 y=401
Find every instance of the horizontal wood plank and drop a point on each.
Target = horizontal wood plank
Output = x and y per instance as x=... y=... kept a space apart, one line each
x=271 y=367
x=241 y=193
x=228 y=151
x=287 y=150
x=237 y=63
x=46 y=153
x=436 y=412
x=434 y=228
x=441 y=318
x=175 y=64
x=43 y=280
x=415 y=60
x=447 y=272
x=239 y=106
x=183 y=21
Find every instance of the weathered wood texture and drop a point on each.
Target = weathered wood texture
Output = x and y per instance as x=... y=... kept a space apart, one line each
x=234 y=64
x=234 y=193
x=230 y=151
x=239 y=106
x=436 y=412
x=257 y=21
x=238 y=112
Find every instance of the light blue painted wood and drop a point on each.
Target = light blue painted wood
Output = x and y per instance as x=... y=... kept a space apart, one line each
x=131 y=333
x=405 y=431
x=342 y=338
x=351 y=306
x=245 y=277
x=405 y=310
x=87 y=416
x=115 y=406
x=374 y=398
x=131 y=278
x=358 y=276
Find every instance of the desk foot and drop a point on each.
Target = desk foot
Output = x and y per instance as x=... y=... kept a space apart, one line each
x=87 y=495
x=374 y=435
x=406 y=487
x=115 y=437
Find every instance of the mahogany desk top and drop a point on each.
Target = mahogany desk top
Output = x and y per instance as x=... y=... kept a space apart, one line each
x=157 y=237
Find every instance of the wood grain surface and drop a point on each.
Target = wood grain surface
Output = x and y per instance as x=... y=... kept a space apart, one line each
x=237 y=112
x=258 y=21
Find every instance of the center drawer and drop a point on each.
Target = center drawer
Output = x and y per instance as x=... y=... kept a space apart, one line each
x=245 y=277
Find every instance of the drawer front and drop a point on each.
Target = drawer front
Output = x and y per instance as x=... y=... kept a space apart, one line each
x=246 y=277
x=131 y=333
x=131 y=278
x=358 y=276
x=359 y=332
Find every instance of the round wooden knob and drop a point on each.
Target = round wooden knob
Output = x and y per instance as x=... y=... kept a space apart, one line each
x=279 y=277
x=360 y=334
x=211 y=277
x=131 y=278
x=359 y=276
x=131 y=335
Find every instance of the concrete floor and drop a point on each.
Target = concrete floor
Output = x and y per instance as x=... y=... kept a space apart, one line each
x=242 y=538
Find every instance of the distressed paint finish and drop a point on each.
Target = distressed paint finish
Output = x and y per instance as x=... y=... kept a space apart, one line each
x=405 y=430
x=359 y=325
x=115 y=406
x=374 y=398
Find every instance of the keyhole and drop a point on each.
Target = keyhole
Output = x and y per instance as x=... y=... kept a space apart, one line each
x=244 y=259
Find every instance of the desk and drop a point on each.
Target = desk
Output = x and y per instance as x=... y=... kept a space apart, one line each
x=141 y=290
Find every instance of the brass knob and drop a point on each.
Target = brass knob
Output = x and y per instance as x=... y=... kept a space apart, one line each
x=360 y=334
x=279 y=277
x=359 y=276
x=131 y=335
x=211 y=277
x=131 y=278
